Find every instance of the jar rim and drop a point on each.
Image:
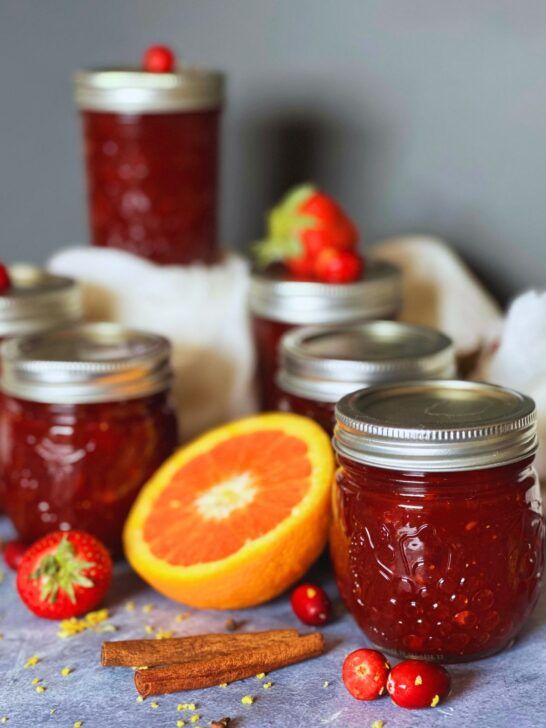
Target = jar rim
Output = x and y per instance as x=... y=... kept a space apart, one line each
x=326 y=363
x=378 y=294
x=96 y=362
x=436 y=426
x=129 y=90
x=38 y=300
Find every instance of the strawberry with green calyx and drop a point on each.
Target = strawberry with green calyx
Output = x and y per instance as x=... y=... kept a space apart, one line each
x=304 y=224
x=64 y=574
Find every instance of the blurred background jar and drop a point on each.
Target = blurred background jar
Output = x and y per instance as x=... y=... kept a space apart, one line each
x=35 y=301
x=319 y=366
x=151 y=152
x=437 y=536
x=87 y=419
x=278 y=304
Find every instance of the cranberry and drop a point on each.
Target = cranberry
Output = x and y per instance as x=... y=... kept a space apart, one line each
x=338 y=266
x=365 y=674
x=158 y=59
x=5 y=281
x=311 y=604
x=418 y=684
x=13 y=553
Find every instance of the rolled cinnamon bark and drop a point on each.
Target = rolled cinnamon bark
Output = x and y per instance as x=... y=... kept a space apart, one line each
x=152 y=652
x=209 y=671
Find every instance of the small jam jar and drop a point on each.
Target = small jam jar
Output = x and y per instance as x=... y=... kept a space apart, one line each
x=87 y=419
x=278 y=304
x=321 y=365
x=438 y=534
x=36 y=301
x=151 y=152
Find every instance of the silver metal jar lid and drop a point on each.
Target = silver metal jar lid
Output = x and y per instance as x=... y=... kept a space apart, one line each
x=324 y=364
x=134 y=91
x=436 y=426
x=377 y=295
x=99 y=362
x=38 y=301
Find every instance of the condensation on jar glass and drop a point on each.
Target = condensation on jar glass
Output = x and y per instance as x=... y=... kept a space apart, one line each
x=87 y=419
x=320 y=365
x=278 y=304
x=151 y=143
x=438 y=535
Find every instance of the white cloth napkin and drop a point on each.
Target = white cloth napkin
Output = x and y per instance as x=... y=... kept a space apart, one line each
x=202 y=310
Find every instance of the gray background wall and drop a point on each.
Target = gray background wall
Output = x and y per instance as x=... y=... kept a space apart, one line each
x=419 y=115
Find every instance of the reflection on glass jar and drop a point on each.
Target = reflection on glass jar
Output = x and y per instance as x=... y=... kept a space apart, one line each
x=87 y=420
x=438 y=536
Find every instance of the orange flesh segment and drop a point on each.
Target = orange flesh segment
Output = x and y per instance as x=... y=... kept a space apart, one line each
x=234 y=493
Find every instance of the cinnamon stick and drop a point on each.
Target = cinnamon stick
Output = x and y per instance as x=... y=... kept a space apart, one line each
x=209 y=671
x=152 y=652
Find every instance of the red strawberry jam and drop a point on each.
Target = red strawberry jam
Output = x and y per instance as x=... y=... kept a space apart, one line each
x=151 y=152
x=438 y=533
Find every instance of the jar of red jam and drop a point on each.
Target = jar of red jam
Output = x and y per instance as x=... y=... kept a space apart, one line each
x=86 y=420
x=438 y=534
x=321 y=365
x=278 y=304
x=36 y=301
x=151 y=152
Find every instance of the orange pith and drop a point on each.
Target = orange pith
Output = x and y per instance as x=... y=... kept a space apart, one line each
x=235 y=492
x=238 y=515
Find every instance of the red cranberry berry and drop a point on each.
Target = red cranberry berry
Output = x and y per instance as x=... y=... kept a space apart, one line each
x=365 y=674
x=311 y=604
x=158 y=59
x=13 y=553
x=418 y=684
x=5 y=281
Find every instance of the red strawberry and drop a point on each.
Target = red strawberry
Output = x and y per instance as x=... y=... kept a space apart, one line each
x=304 y=224
x=64 y=574
x=5 y=280
x=13 y=553
x=338 y=266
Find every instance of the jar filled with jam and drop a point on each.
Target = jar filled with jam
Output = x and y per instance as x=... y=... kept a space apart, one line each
x=151 y=152
x=438 y=534
x=86 y=420
x=319 y=366
x=278 y=304
x=36 y=301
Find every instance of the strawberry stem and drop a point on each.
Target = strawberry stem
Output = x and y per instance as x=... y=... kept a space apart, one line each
x=62 y=570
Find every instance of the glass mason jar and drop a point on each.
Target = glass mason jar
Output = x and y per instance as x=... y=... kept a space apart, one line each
x=438 y=534
x=151 y=151
x=36 y=301
x=321 y=365
x=278 y=304
x=87 y=419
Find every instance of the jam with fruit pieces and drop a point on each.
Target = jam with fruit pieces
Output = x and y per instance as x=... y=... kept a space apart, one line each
x=151 y=152
x=438 y=534
x=87 y=419
x=321 y=365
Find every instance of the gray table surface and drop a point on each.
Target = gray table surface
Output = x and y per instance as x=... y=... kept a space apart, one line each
x=505 y=691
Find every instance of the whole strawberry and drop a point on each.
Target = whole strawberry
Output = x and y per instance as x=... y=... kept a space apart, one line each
x=304 y=225
x=64 y=574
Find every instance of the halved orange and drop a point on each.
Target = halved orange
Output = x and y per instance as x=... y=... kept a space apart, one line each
x=235 y=517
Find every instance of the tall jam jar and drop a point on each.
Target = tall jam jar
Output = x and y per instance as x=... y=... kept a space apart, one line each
x=438 y=534
x=278 y=304
x=321 y=365
x=87 y=419
x=36 y=301
x=151 y=152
